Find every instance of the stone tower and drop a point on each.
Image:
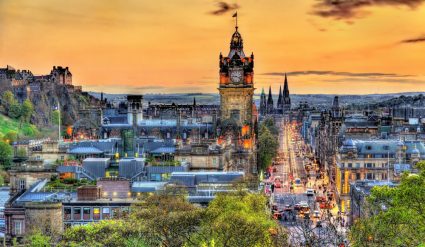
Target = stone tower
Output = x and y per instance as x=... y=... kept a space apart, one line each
x=279 y=105
x=286 y=98
x=236 y=84
x=270 y=108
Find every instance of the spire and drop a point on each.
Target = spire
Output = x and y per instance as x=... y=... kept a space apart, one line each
x=285 y=87
x=194 y=101
x=280 y=99
x=262 y=91
x=270 y=99
x=336 y=102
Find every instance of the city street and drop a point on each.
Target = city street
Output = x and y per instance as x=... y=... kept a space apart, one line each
x=301 y=199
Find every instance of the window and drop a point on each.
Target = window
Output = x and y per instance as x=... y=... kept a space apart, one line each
x=357 y=165
x=77 y=213
x=370 y=165
x=368 y=147
x=21 y=184
x=106 y=213
x=96 y=213
x=358 y=176
x=350 y=165
x=18 y=227
x=67 y=213
x=214 y=161
x=370 y=176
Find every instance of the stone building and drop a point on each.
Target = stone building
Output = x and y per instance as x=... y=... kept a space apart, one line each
x=237 y=119
x=382 y=160
x=328 y=139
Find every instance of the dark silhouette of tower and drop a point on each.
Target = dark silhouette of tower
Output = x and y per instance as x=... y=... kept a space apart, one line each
x=286 y=98
x=270 y=107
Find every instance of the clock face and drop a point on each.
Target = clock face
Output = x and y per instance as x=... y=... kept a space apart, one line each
x=236 y=76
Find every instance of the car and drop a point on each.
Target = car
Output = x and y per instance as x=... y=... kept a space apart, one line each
x=320 y=199
x=277 y=184
x=297 y=182
x=316 y=214
x=297 y=207
x=287 y=208
x=310 y=192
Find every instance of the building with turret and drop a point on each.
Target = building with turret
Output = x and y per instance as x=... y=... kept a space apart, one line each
x=237 y=119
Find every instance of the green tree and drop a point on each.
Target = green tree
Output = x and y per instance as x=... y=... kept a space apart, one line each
x=267 y=147
x=270 y=124
x=6 y=152
x=166 y=220
x=108 y=233
x=395 y=216
x=14 y=111
x=37 y=239
x=55 y=117
x=10 y=137
x=239 y=219
x=7 y=100
x=27 y=110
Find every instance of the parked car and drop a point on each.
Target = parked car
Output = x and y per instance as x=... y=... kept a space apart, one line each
x=316 y=214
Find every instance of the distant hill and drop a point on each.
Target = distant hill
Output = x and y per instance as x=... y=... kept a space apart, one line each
x=313 y=99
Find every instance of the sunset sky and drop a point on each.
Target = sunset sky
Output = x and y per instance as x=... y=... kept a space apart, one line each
x=172 y=46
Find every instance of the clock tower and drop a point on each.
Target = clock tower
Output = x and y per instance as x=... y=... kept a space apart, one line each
x=236 y=84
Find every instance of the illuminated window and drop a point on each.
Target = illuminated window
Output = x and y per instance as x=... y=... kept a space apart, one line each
x=96 y=213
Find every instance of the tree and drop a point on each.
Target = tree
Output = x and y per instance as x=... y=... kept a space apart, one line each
x=239 y=219
x=166 y=220
x=7 y=100
x=10 y=137
x=55 y=117
x=396 y=215
x=14 y=111
x=6 y=152
x=27 y=110
x=103 y=233
x=267 y=147
x=37 y=239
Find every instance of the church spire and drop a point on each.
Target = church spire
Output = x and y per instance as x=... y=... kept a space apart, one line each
x=286 y=88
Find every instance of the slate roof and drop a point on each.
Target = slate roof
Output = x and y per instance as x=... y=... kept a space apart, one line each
x=85 y=150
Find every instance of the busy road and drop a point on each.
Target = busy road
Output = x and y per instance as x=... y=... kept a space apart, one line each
x=300 y=194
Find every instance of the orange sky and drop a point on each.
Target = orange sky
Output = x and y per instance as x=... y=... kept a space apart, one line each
x=173 y=46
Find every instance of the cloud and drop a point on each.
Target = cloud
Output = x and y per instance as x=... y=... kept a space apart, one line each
x=368 y=80
x=224 y=7
x=414 y=40
x=334 y=73
x=350 y=9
